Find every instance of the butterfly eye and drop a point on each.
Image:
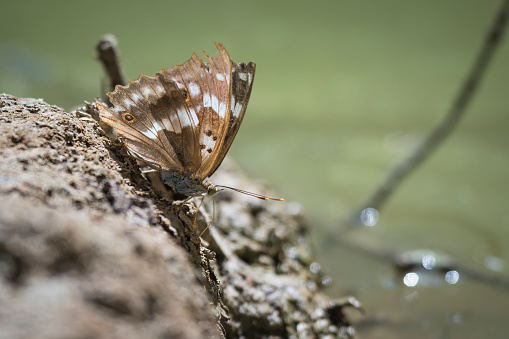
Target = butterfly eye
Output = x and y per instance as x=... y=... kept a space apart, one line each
x=211 y=190
x=128 y=117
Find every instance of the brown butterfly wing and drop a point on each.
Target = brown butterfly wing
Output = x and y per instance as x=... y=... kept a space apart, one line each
x=184 y=118
x=208 y=89
x=242 y=83
x=152 y=117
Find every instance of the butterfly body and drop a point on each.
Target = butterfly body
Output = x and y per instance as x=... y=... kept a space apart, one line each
x=186 y=184
x=183 y=120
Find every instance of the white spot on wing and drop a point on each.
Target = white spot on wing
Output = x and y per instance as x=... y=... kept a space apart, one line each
x=243 y=76
x=184 y=118
x=167 y=124
x=237 y=109
x=250 y=78
x=135 y=96
x=147 y=91
x=158 y=88
x=222 y=110
x=194 y=117
x=206 y=100
x=158 y=126
x=194 y=89
x=215 y=103
x=220 y=77
x=176 y=124
x=209 y=142
x=128 y=104
x=148 y=134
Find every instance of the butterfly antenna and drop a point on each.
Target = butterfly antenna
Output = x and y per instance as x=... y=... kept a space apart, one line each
x=213 y=215
x=255 y=195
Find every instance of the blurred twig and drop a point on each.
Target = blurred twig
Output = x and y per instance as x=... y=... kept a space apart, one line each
x=109 y=55
x=450 y=120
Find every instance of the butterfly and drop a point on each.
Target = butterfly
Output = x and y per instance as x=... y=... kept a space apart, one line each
x=183 y=120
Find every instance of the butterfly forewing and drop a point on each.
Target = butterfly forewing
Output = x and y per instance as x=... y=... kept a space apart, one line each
x=242 y=83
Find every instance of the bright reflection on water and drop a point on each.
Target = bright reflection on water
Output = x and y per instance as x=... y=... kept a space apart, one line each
x=369 y=216
x=429 y=261
x=411 y=279
x=452 y=277
x=315 y=267
x=326 y=280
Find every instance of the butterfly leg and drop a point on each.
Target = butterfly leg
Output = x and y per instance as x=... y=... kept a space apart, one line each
x=201 y=202
x=197 y=209
x=213 y=215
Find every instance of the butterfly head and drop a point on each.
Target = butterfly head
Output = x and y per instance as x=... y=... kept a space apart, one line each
x=212 y=190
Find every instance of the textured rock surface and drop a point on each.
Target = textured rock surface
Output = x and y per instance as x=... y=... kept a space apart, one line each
x=89 y=249
x=81 y=250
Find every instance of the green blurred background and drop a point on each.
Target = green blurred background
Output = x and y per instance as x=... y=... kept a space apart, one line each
x=343 y=90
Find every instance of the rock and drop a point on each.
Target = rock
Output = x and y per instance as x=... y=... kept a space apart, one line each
x=89 y=249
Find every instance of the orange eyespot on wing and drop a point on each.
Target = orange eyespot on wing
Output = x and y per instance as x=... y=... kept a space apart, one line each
x=128 y=117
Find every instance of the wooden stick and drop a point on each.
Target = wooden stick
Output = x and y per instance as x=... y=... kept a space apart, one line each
x=109 y=55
